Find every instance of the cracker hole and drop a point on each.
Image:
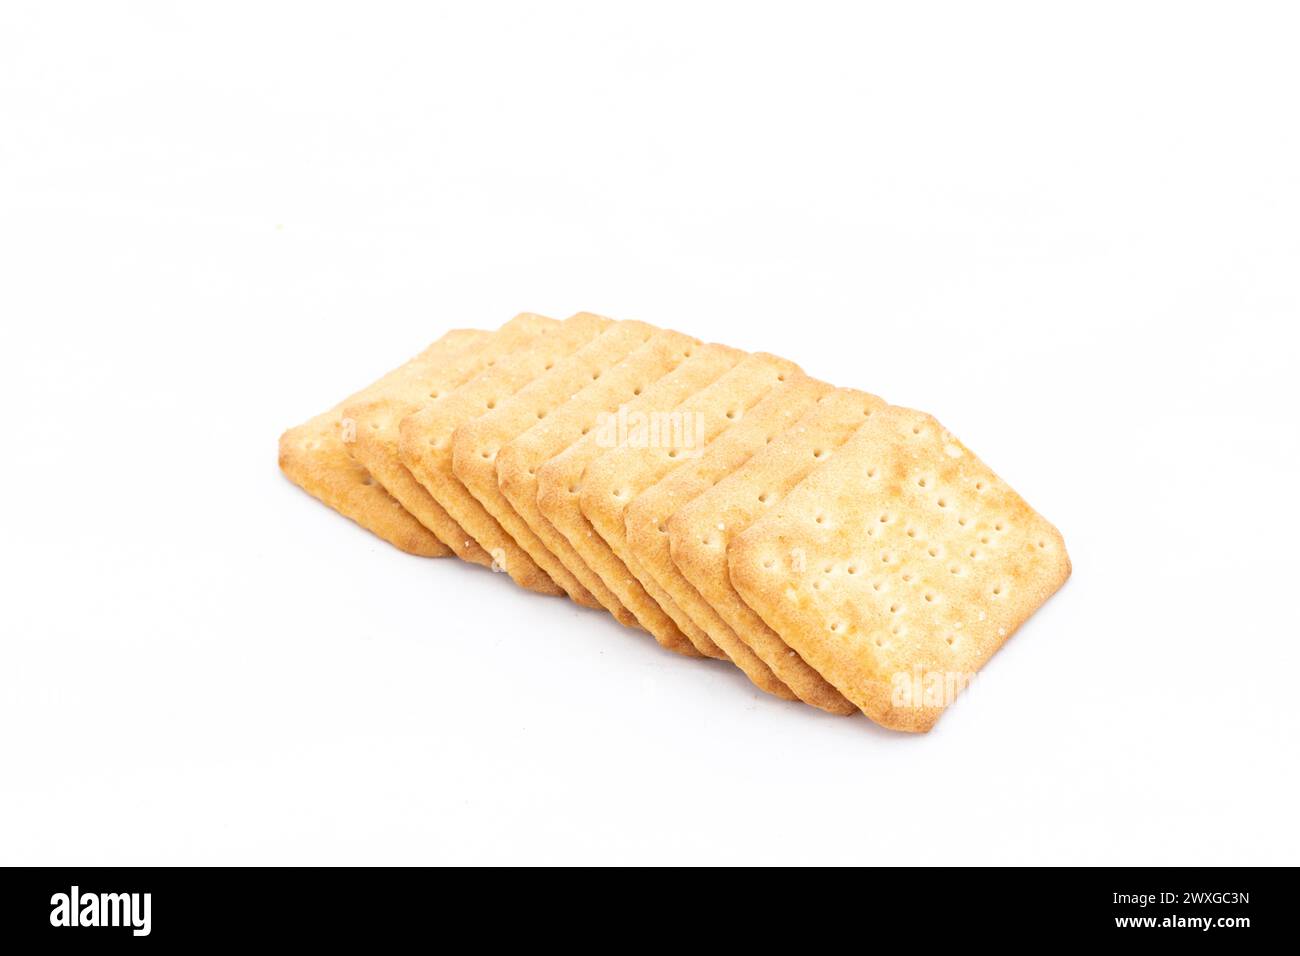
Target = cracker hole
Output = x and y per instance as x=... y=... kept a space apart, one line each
x=781 y=377
x=955 y=569
x=911 y=532
x=871 y=472
x=541 y=413
x=585 y=429
x=932 y=552
x=997 y=589
x=906 y=578
x=921 y=482
x=817 y=453
x=943 y=503
x=434 y=394
x=998 y=526
x=637 y=390
x=573 y=489
x=972 y=553
x=672 y=453
x=828 y=569
x=491 y=403
x=663 y=529
x=731 y=415
x=962 y=522
x=835 y=627
x=769 y=563
x=1042 y=544
x=884 y=518
x=762 y=499
x=950 y=640
x=595 y=375
x=486 y=453
x=549 y=366
x=821 y=519
x=929 y=597
x=852 y=569
x=979 y=486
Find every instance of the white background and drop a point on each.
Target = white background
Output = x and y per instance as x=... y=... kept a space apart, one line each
x=1070 y=231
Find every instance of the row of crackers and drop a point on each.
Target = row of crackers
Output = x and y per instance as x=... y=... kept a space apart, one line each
x=840 y=551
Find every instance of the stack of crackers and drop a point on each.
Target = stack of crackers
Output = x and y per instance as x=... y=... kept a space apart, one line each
x=840 y=551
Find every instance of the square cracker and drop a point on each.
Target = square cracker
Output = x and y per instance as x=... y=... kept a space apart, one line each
x=700 y=532
x=314 y=457
x=425 y=446
x=647 y=516
x=898 y=567
x=374 y=426
x=559 y=484
x=616 y=478
x=543 y=419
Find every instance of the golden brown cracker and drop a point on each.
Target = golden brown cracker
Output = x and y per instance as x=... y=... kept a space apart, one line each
x=673 y=436
x=425 y=446
x=314 y=457
x=374 y=420
x=898 y=567
x=559 y=484
x=699 y=546
x=646 y=521
x=543 y=419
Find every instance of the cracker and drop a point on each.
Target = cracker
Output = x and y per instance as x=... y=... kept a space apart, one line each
x=699 y=546
x=541 y=420
x=374 y=426
x=559 y=484
x=898 y=567
x=647 y=517
x=314 y=457
x=425 y=445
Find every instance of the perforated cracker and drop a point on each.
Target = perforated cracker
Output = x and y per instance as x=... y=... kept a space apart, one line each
x=425 y=446
x=616 y=478
x=374 y=420
x=699 y=546
x=898 y=567
x=560 y=481
x=542 y=420
x=314 y=457
x=646 y=521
